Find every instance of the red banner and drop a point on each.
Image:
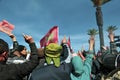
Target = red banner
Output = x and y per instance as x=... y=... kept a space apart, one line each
x=6 y=27
x=68 y=42
x=50 y=37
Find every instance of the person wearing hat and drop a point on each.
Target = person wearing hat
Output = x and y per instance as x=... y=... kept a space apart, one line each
x=64 y=54
x=52 y=54
x=54 y=66
x=17 y=71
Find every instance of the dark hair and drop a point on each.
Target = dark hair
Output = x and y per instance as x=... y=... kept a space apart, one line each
x=84 y=53
x=20 y=48
x=3 y=46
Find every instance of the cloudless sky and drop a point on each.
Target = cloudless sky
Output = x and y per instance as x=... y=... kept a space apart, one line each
x=73 y=17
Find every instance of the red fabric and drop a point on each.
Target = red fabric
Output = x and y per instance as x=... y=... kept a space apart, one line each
x=6 y=27
x=50 y=37
x=68 y=42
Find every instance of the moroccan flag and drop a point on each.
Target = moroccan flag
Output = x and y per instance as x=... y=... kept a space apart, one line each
x=6 y=27
x=50 y=37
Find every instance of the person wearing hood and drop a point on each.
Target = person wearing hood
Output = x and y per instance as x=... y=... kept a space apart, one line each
x=82 y=68
x=54 y=66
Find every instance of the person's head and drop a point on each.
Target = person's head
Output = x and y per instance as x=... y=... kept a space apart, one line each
x=22 y=50
x=84 y=53
x=4 y=49
x=52 y=53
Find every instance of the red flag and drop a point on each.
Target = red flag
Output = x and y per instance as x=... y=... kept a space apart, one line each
x=68 y=42
x=50 y=37
x=6 y=27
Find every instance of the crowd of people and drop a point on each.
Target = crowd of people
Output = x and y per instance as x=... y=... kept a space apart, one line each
x=56 y=61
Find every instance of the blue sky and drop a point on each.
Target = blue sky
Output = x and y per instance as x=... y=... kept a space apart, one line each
x=73 y=17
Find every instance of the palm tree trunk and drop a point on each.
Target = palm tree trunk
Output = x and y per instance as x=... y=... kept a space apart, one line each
x=99 y=19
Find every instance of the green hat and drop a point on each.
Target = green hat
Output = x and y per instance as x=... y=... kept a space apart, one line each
x=52 y=53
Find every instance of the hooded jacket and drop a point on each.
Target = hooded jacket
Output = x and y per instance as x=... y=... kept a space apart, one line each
x=82 y=70
x=51 y=72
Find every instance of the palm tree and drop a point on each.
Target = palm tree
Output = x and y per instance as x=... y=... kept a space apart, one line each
x=111 y=29
x=92 y=33
x=99 y=19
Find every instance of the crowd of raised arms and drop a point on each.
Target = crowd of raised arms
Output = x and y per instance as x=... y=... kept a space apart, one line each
x=57 y=61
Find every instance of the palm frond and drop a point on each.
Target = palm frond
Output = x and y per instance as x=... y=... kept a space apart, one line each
x=105 y=1
x=92 y=32
x=99 y=2
x=111 y=28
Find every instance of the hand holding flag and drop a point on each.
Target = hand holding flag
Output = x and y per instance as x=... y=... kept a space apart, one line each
x=64 y=40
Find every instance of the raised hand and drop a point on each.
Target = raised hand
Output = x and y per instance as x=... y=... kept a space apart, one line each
x=81 y=55
x=28 y=38
x=91 y=43
x=64 y=40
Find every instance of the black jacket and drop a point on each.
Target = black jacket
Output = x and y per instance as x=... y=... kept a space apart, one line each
x=15 y=45
x=50 y=72
x=18 y=71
